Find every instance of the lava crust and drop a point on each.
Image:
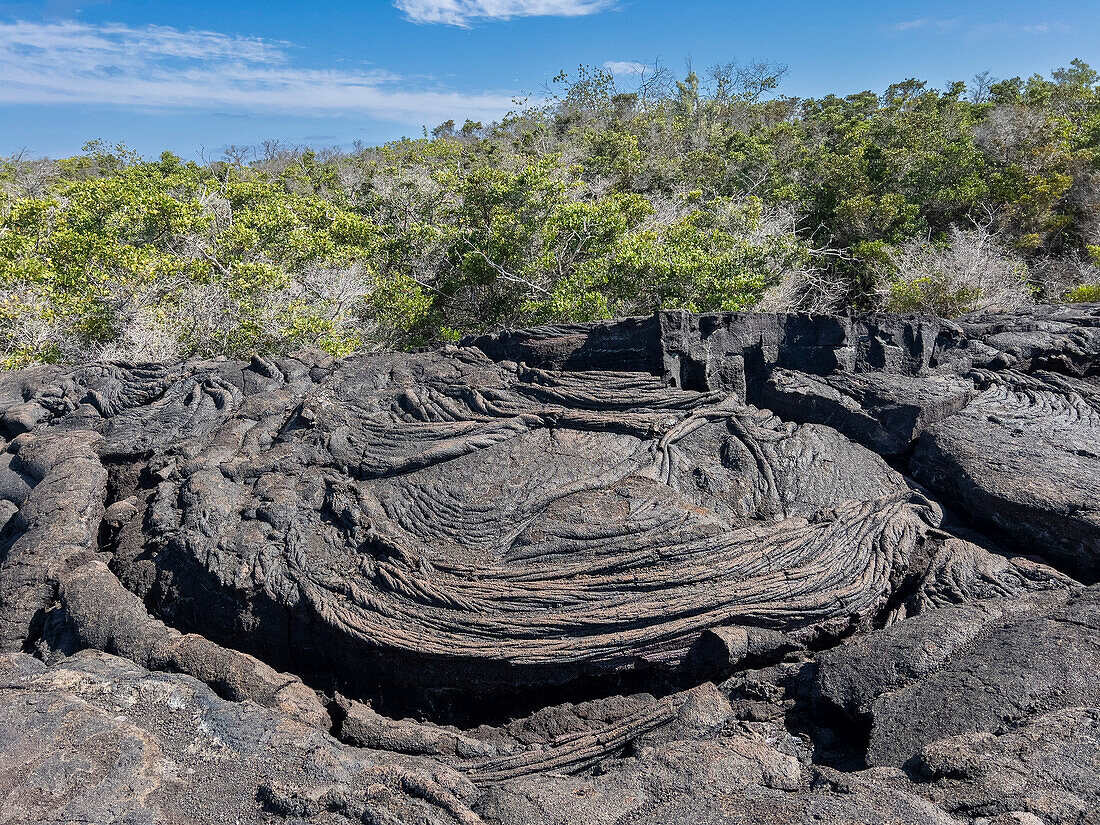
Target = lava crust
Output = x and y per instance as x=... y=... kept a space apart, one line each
x=714 y=568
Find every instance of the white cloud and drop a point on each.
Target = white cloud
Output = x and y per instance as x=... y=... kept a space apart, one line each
x=622 y=67
x=919 y=23
x=463 y=12
x=157 y=66
x=926 y=23
x=996 y=28
x=1004 y=29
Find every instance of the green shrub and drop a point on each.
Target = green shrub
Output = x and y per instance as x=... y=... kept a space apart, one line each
x=1084 y=294
x=601 y=201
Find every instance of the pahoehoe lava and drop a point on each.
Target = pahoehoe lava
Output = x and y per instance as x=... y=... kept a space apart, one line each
x=713 y=568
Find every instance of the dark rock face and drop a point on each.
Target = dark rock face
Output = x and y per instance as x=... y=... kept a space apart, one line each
x=966 y=669
x=884 y=411
x=98 y=739
x=504 y=581
x=1024 y=458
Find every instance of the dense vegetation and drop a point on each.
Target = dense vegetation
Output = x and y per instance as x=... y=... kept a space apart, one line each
x=706 y=193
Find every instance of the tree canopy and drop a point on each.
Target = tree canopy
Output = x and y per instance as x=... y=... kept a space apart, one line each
x=707 y=193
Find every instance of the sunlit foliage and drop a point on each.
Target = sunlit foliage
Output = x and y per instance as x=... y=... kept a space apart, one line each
x=705 y=193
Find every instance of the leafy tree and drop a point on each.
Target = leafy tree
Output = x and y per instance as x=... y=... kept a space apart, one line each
x=711 y=192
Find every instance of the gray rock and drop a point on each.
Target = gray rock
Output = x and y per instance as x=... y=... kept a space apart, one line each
x=1043 y=771
x=439 y=521
x=887 y=412
x=97 y=739
x=1024 y=459
x=977 y=668
x=505 y=573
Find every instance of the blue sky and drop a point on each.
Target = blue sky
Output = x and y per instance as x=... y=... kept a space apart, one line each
x=197 y=76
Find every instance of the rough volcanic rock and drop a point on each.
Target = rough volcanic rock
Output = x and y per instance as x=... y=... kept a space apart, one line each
x=743 y=777
x=419 y=526
x=1024 y=458
x=981 y=667
x=735 y=351
x=885 y=411
x=1058 y=339
x=504 y=575
x=97 y=739
x=1047 y=767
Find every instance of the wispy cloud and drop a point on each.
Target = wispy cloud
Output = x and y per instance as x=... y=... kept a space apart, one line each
x=926 y=23
x=156 y=66
x=998 y=27
x=465 y=12
x=1005 y=29
x=622 y=67
x=908 y=25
